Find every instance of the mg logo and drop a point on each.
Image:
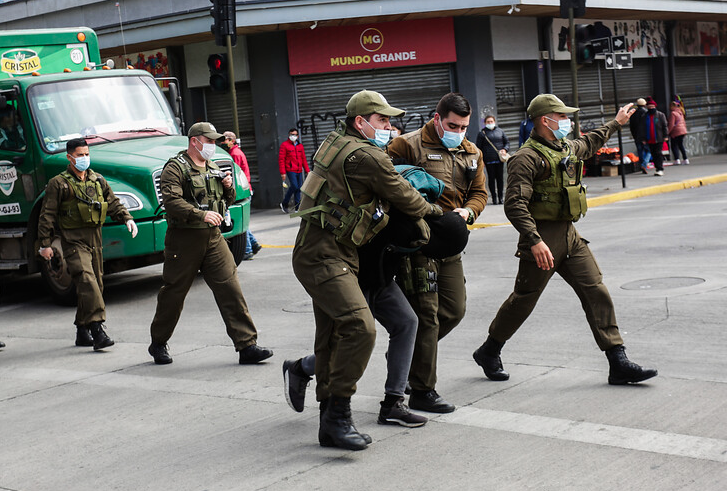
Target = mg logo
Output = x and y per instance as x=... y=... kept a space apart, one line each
x=372 y=39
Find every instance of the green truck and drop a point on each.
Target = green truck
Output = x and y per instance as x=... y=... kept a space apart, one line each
x=53 y=87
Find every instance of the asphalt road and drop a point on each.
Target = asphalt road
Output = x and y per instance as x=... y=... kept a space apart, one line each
x=72 y=419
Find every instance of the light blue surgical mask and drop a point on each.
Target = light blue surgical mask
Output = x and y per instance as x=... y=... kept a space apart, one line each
x=451 y=139
x=381 y=137
x=563 y=128
x=82 y=163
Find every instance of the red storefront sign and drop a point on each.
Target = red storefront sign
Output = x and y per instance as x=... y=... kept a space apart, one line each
x=366 y=46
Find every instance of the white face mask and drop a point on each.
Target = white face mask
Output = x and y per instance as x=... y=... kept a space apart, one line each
x=208 y=150
x=490 y=126
x=293 y=138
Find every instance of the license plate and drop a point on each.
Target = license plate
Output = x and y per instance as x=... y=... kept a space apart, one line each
x=10 y=209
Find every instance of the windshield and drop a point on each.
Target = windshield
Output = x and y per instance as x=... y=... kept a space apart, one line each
x=99 y=109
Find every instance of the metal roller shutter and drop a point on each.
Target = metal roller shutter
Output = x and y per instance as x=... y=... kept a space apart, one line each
x=702 y=85
x=511 y=106
x=717 y=71
x=323 y=97
x=219 y=114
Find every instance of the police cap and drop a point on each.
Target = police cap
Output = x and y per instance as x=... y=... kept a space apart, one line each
x=369 y=102
x=548 y=103
x=204 y=129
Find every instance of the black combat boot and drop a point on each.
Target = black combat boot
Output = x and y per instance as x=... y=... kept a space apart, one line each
x=624 y=371
x=337 y=426
x=83 y=336
x=160 y=353
x=254 y=354
x=101 y=340
x=488 y=357
x=327 y=441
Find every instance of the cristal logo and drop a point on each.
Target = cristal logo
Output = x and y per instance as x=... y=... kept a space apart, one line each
x=19 y=61
x=372 y=40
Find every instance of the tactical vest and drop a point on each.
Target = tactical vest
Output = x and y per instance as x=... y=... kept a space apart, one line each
x=562 y=196
x=327 y=198
x=87 y=207
x=203 y=190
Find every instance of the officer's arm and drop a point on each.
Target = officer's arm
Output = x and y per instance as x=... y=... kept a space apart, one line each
x=587 y=145
x=229 y=195
x=400 y=149
x=388 y=184
x=116 y=210
x=476 y=198
x=172 y=196
x=49 y=213
x=521 y=170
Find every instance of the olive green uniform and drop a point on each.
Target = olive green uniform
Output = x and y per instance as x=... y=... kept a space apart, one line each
x=325 y=260
x=440 y=308
x=81 y=234
x=193 y=245
x=573 y=260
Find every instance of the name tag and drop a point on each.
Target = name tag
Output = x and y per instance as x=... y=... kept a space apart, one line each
x=434 y=156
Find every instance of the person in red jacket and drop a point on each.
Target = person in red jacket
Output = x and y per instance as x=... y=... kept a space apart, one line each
x=292 y=162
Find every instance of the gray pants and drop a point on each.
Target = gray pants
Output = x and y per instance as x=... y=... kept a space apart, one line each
x=391 y=308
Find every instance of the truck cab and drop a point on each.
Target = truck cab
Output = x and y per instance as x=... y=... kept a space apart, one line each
x=53 y=88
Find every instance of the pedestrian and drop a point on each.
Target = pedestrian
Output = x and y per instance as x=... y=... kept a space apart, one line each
x=76 y=203
x=436 y=287
x=677 y=131
x=545 y=196
x=653 y=133
x=344 y=205
x=526 y=127
x=252 y=246
x=195 y=196
x=637 y=119
x=494 y=145
x=292 y=162
x=396 y=130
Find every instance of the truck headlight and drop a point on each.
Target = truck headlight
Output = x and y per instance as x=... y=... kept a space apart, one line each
x=240 y=177
x=130 y=201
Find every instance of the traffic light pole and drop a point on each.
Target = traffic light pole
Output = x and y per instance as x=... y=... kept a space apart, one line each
x=620 y=142
x=233 y=93
x=574 y=72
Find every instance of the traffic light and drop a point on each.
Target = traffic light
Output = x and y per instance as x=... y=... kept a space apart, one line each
x=583 y=46
x=579 y=8
x=219 y=76
x=224 y=21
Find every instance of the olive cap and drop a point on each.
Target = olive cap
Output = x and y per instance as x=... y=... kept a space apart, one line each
x=204 y=129
x=548 y=103
x=369 y=102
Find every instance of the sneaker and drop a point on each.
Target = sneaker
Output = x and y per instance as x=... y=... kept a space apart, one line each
x=256 y=248
x=160 y=353
x=254 y=354
x=686 y=161
x=295 y=381
x=284 y=208
x=678 y=162
x=399 y=414
x=248 y=256
x=659 y=173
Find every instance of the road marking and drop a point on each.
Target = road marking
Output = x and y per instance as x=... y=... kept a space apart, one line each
x=694 y=447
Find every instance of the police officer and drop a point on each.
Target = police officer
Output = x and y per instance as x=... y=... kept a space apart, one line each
x=436 y=287
x=195 y=196
x=344 y=204
x=544 y=197
x=76 y=202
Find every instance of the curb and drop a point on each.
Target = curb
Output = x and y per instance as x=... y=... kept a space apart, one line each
x=635 y=193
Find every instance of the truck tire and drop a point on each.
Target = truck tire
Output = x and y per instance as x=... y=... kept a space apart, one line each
x=57 y=277
x=237 y=247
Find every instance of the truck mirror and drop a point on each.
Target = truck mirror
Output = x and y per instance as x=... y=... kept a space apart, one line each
x=174 y=98
x=110 y=63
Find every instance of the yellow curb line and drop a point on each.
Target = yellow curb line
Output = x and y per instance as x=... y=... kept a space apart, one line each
x=635 y=193
x=267 y=246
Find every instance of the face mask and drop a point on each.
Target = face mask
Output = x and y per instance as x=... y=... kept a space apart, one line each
x=82 y=163
x=563 y=128
x=381 y=138
x=293 y=138
x=490 y=126
x=451 y=139
x=651 y=110
x=208 y=150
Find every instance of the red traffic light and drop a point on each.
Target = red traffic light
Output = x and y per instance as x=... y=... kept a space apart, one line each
x=217 y=63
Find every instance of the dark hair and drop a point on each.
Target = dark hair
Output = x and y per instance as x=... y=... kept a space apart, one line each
x=350 y=119
x=398 y=126
x=292 y=130
x=72 y=145
x=490 y=116
x=453 y=102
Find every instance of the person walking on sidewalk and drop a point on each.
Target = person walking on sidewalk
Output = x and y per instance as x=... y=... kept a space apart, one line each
x=292 y=162
x=677 y=132
x=545 y=196
x=637 y=119
x=653 y=132
x=494 y=145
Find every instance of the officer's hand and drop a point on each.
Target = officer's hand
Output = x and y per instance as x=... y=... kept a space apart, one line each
x=624 y=114
x=132 y=228
x=227 y=181
x=464 y=213
x=46 y=253
x=435 y=210
x=212 y=217
x=543 y=256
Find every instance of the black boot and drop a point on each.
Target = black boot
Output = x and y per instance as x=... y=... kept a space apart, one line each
x=488 y=357
x=160 y=353
x=337 y=426
x=327 y=441
x=101 y=340
x=2 y=345
x=83 y=336
x=624 y=371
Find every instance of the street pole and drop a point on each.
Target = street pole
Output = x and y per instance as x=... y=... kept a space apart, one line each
x=620 y=141
x=233 y=93
x=574 y=73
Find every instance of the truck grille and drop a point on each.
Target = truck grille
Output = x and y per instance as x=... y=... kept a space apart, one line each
x=224 y=165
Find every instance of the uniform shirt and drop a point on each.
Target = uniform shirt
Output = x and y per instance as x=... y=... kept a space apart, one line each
x=527 y=166
x=57 y=191
x=424 y=148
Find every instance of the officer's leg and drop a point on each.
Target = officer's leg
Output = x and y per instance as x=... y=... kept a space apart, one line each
x=220 y=273
x=452 y=294
x=582 y=273
x=322 y=349
x=183 y=253
x=80 y=260
x=423 y=372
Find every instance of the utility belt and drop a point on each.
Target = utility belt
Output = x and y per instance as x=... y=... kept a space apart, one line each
x=416 y=279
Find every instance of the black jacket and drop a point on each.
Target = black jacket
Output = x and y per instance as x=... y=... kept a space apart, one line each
x=498 y=138
x=636 y=120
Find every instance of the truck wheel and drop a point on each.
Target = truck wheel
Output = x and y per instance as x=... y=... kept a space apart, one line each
x=237 y=247
x=57 y=277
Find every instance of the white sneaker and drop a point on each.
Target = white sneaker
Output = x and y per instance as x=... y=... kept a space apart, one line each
x=686 y=161
x=678 y=162
x=659 y=173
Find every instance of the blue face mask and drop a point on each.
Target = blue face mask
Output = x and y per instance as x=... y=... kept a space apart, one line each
x=381 y=137
x=451 y=139
x=82 y=163
x=563 y=128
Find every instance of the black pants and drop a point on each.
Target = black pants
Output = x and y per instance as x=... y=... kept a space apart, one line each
x=494 y=180
x=677 y=145
x=656 y=155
